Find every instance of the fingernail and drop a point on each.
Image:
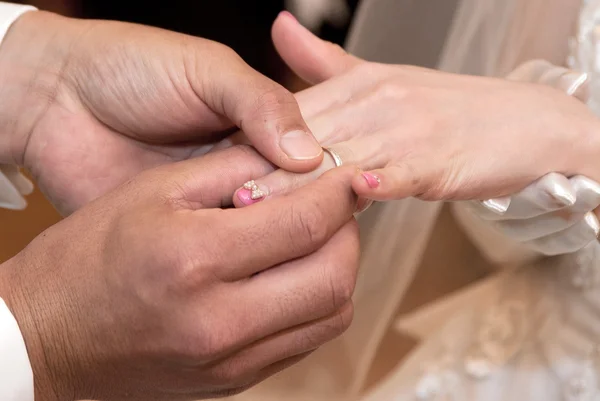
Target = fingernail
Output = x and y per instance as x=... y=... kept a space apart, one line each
x=288 y=15
x=372 y=180
x=251 y=193
x=498 y=205
x=300 y=145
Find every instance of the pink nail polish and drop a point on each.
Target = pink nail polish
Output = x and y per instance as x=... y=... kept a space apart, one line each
x=372 y=180
x=245 y=196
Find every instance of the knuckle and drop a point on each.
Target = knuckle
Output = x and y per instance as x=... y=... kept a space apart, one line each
x=336 y=325
x=194 y=262
x=209 y=340
x=336 y=48
x=432 y=192
x=343 y=284
x=392 y=91
x=211 y=346
x=273 y=99
x=201 y=347
x=367 y=70
x=224 y=51
x=309 y=223
x=314 y=336
x=326 y=330
x=406 y=179
x=344 y=318
x=231 y=373
x=443 y=189
x=342 y=278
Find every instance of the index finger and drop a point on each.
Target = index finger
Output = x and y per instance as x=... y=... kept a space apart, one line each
x=266 y=234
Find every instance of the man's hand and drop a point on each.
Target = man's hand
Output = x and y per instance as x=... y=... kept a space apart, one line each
x=89 y=104
x=153 y=292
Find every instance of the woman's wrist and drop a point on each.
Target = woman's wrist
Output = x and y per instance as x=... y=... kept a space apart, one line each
x=33 y=55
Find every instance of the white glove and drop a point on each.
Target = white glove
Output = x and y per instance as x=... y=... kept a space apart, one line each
x=13 y=187
x=554 y=215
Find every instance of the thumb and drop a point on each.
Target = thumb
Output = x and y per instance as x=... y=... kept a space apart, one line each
x=311 y=58
x=267 y=113
x=211 y=180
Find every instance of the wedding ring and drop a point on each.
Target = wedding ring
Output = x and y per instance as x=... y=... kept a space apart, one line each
x=336 y=157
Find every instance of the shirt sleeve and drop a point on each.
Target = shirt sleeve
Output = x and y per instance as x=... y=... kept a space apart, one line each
x=16 y=376
x=10 y=196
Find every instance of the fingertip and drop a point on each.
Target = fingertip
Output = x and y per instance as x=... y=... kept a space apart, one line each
x=360 y=185
x=285 y=17
x=239 y=198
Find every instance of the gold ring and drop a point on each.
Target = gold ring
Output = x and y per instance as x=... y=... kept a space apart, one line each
x=335 y=156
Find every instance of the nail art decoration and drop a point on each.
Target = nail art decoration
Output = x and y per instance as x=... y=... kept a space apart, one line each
x=256 y=192
x=373 y=181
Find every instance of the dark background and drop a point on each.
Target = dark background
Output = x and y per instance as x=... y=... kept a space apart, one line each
x=244 y=25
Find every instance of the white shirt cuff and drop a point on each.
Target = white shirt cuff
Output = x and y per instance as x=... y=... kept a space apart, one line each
x=16 y=376
x=9 y=13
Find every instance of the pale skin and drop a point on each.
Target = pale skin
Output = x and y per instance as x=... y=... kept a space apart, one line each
x=436 y=136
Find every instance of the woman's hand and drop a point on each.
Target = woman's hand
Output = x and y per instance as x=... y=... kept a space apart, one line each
x=554 y=215
x=437 y=136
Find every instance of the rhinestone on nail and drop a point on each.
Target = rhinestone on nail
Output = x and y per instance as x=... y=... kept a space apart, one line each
x=256 y=192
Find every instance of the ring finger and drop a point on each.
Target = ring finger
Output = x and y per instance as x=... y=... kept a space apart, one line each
x=362 y=152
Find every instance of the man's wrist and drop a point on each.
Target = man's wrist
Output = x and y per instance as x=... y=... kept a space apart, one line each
x=33 y=55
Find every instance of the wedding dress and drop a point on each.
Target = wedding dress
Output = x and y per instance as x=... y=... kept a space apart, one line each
x=530 y=332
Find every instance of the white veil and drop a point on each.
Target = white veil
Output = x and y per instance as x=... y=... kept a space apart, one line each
x=483 y=37
x=480 y=37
